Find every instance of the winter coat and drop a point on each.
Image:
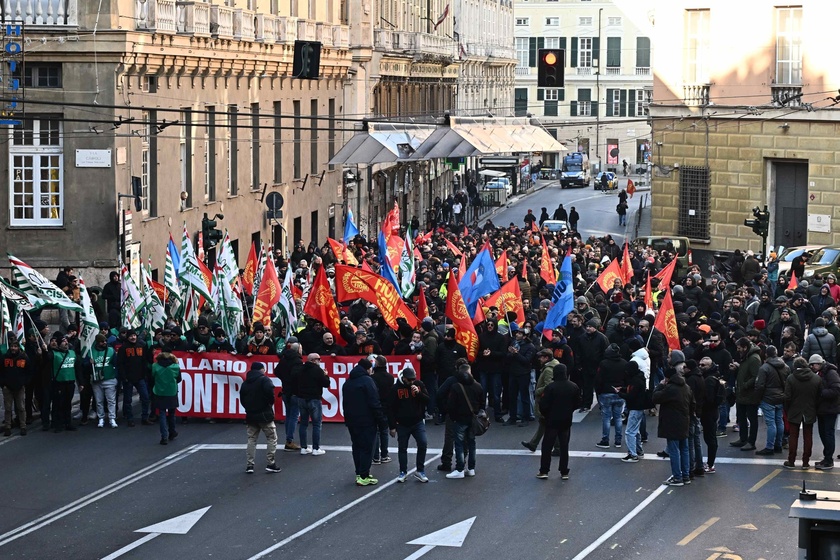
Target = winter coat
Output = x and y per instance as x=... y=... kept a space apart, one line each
x=676 y=405
x=288 y=367
x=770 y=383
x=802 y=391
x=559 y=401
x=167 y=375
x=546 y=377
x=15 y=371
x=360 y=397
x=634 y=393
x=257 y=396
x=611 y=371
x=821 y=342
x=384 y=385
x=591 y=351
x=745 y=378
x=133 y=361
x=519 y=363
x=829 y=401
x=447 y=354
x=406 y=408
x=312 y=380
x=497 y=344
x=694 y=379
x=457 y=407
x=642 y=358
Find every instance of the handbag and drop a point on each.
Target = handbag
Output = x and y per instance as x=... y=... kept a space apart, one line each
x=480 y=422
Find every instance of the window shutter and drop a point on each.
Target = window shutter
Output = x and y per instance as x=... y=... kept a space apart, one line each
x=540 y=43
x=540 y=94
x=561 y=94
x=631 y=102
x=573 y=109
x=642 y=52
x=563 y=46
x=594 y=108
x=609 y=102
x=614 y=52
x=623 y=105
x=532 y=52
x=596 y=49
x=573 y=60
x=584 y=94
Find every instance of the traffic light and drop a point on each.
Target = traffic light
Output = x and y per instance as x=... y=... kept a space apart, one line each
x=210 y=234
x=760 y=225
x=306 y=63
x=550 y=68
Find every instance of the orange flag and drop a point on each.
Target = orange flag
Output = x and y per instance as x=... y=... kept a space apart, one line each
x=455 y=250
x=353 y=283
x=462 y=267
x=631 y=188
x=479 y=313
x=466 y=231
x=420 y=239
x=321 y=305
x=648 y=294
x=665 y=274
x=342 y=253
x=666 y=322
x=250 y=270
x=547 y=271
x=794 y=283
x=457 y=311
x=422 y=305
x=626 y=268
x=534 y=226
x=524 y=269
x=508 y=298
x=608 y=276
x=268 y=295
x=501 y=266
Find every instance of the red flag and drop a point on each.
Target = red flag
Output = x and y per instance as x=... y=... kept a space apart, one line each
x=462 y=267
x=422 y=305
x=353 y=283
x=466 y=231
x=607 y=277
x=524 y=269
x=501 y=266
x=268 y=296
x=455 y=250
x=666 y=322
x=648 y=294
x=479 y=313
x=250 y=270
x=366 y=267
x=342 y=253
x=665 y=274
x=321 y=305
x=794 y=283
x=297 y=293
x=631 y=188
x=508 y=298
x=626 y=268
x=534 y=226
x=457 y=311
x=159 y=289
x=547 y=271
x=419 y=240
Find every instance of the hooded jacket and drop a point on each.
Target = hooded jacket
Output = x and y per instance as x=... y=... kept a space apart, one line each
x=362 y=407
x=257 y=396
x=497 y=344
x=634 y=393
x=559 y=401
x=770 y=383
x=802 y=390
x=311 y=381
x=829 y=401
x=545 y=378
x=611 y=371
x=676 y=404
x=287 y=370
x=746 y=377
x=15 y=371
x=457 y=407
x=406 y=408
x=384 y=384
x=167 y=375
x=694 y=380
x=821 y=342
x=133 y=361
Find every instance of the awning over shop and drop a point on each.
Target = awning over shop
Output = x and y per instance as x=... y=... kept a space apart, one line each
x=383 y=143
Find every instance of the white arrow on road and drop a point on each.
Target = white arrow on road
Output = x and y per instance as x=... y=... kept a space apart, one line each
x=453 y=535
x=176 y=526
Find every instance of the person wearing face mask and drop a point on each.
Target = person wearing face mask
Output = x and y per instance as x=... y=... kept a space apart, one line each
x=102 y=376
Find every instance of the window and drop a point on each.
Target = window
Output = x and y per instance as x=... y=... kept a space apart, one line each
x=233 y=121
x=642 y=55
x=613 y=21
x=36 y=173
x=583 y=106
x=521 y=52
x=550 y=102
x=789 y=45
x=552 y=22
x=552 y=43
x=331 y=133
x=40 y=75
x=313 y=137
x=697 y=46
x=522 y=21
x=206 y=167
x=613 y=52
x=643 y=98
x=210 y=154
x=615 y=102
x=585 y=52
x=585 y=21
x=693 y=210
x=552 y=94
x=144 y=162
x=520 y=101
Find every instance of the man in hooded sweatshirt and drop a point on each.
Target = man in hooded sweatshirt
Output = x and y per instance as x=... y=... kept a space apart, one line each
x=167 y=376
x=770 y=388
x=406 y=419
x=828 y=406
x=821 y=342
x=362 y=414
x=609 y=377
x=802 y=390
x=676 y=405
x=557 y=405
x=257 y=396
x=634 y=393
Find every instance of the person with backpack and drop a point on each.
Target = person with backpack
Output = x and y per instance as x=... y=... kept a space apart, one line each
x=715 y=393
x=621 y=210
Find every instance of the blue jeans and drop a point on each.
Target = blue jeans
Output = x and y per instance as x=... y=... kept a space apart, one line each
x=695 y=451
x=166 y=419
x=519 y=386
x=310 y=409
x=418 y=432
x=611 y=407
x=492 y=385
x=825 y=425
x=678 y=452
x=723 y=418
x=292 y=412
x=631 y=435
x=464 y=436
x=128 y=392
x=773 y=418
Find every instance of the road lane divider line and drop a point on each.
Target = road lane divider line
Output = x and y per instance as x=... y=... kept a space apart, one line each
x=696 y=532
x=76 y=505
x=765 y=480
x=624 y=521
x=334 y=514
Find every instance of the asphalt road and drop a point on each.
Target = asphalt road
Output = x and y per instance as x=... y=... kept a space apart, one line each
x=85 y=494
x=596 y=208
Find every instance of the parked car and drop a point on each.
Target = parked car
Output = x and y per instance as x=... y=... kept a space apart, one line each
x=785 y=258
x=500 y=183
x=612 y=182
x=679 y=245
x=556 y=226
x=825 y=260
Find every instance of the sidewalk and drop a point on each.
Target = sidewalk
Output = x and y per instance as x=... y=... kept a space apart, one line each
x=638 y=219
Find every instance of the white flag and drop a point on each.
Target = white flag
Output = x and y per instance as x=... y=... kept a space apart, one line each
x=90 y=326
x=35 y=285
x=190 y=273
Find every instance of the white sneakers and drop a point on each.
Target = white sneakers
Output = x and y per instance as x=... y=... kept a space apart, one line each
x=113 y=423
x=318 y=451
x=455 y=474
x=101 y=423
x=469 y=472
x=306 y=450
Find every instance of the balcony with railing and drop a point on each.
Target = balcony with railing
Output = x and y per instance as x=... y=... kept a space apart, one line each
x=584 y=71
x=156 y=15
x=221 y=21
x=193 y=18
x=613 y=71
x=244 y=25
x=47 y=13
x=522 y=71
x=786 y=95
x=425 y=43
x=306 y=30
x=696 y=95
x=643 y=70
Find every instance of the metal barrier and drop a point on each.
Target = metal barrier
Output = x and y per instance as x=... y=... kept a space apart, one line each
x=643 y=203
x=493 y=197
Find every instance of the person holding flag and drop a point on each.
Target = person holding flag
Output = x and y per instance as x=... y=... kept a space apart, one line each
x=479 y=280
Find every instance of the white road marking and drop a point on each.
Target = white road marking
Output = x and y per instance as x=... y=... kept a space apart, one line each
x=179 y=525
x=624 y=520
x=64 y=511
x=131 y=546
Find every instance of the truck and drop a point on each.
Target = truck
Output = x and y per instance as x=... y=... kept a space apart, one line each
x=575 y=171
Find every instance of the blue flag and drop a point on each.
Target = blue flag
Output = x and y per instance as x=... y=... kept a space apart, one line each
x=350 y=229
x=176 y=256
x=479 y=280
x=563 y=297
x=385 y=269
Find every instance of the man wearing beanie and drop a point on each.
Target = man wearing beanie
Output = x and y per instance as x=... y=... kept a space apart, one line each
x=101 y=372
x=821 y=342
x=406 y=419
x=428 y=365
x=676 y=405
x=362 y=414
x=257 y=395
x=557 y=406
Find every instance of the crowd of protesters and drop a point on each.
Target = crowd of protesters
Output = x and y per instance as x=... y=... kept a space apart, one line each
x=747 y=342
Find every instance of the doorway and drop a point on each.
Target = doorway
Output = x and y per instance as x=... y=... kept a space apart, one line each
x=791 y=203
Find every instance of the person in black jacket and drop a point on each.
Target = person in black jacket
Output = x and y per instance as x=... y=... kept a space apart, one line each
x=311 y=382
x=715 y=394
x=362 y=413
x=558 y=403
x=634 y=393
x=590 y=350
x=466 y=398
x=520 y=354
x=675 y=410
x=133 y=366
x=447 y=354
x=257 y=396
x=384 y=385
x=406 y=418
x=442 y=396
x=694 y=379
x=14 y=375
x=287 y=371
x=610 y=376
x=490 y=363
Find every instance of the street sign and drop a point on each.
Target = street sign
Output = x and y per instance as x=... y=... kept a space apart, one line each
x=274 y=202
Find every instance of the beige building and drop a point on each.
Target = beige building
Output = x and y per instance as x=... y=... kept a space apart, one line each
x=602 y=110
x=745 y=119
